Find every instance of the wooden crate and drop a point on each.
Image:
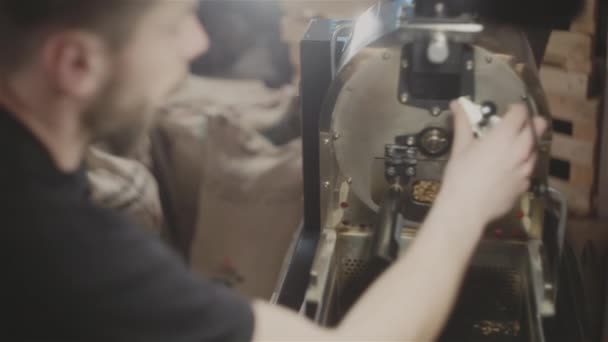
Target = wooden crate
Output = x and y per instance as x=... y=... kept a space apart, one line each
x=573 y=149
x=574 y=179
x=602 y=201
x=565 y=76
x=574 y=160
x=569 y=51
x=575 y=120
x=579 y=197
x=580 y=113
x=587 y=22
x=562 y=82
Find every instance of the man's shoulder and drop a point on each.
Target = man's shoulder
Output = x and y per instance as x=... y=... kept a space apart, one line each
x=47 y=217
x=85 y=262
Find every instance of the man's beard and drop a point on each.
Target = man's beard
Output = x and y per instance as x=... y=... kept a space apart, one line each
x=122 y=130
x=125 y=140
x=119 y=130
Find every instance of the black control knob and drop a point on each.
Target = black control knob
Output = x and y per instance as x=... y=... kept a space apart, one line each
x=488 y=109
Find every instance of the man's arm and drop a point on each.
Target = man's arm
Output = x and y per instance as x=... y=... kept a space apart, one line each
x=410 y=302
x=413 y=299
x=89 y=275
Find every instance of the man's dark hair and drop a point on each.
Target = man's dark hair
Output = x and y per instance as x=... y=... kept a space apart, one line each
x=24 y=22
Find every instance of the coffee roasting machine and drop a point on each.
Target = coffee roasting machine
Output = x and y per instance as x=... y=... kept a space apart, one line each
x=375 y=94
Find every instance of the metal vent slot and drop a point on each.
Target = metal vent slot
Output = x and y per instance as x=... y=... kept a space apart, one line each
x=493 y=304
x=352 y=251
x=351 y=267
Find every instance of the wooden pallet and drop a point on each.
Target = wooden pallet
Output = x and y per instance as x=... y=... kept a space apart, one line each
x=565 y=76
x=569 y=51
x=575 y=135
x=580 y=114
x=602 y=201
x=572 y=171
x=579 y=197
x=573 y=160
x=573 y=149
x=562 y=82
x=587 y=22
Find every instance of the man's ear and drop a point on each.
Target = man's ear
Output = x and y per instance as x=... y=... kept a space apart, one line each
x=76 y=63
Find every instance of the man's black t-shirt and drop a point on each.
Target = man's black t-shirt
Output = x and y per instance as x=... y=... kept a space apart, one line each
x=74 y=272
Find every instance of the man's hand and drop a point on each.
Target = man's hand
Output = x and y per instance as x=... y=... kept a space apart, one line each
x=485 y=176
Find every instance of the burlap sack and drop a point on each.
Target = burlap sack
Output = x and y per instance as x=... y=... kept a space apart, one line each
x=127 y=186
x=250 y=205
x=177 y=154
x=248 y=102
x=177 y=143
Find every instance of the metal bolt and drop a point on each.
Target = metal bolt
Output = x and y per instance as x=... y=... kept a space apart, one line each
x=436 y=111
x=403 y=13
x=404 y=97
x=349 y=180
x=438 y=50
x=410 y=171
x=405 y=64
x=489 y=59
x=337 y=136
x=314 y=276
x=326 y=141
x=326 y=184
x=386 y=55
x=411 y=152
x=391 y=171
x=469 y=65
x=411 y=141
x=439 y=8
x=524 y=97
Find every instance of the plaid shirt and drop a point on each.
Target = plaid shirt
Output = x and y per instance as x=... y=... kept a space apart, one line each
x=125 y=185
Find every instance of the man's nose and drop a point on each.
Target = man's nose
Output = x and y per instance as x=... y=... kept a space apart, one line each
x=197 y=41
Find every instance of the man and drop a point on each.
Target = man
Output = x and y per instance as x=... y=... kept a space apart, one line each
x=76 y=71
x=246 y=42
